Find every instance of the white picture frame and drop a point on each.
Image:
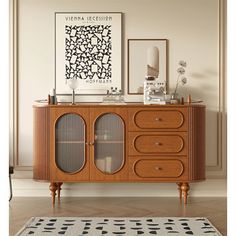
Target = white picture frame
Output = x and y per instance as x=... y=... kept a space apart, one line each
x=88 y=46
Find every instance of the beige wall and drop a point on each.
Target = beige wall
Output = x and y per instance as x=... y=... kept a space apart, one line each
x=191 y=26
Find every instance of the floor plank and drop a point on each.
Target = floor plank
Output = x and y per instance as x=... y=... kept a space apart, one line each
x=21 y=209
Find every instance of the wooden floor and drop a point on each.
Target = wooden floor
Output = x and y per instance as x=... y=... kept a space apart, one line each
x=21 y=209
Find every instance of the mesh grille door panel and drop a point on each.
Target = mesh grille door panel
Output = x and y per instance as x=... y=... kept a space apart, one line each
x=109 y=143
x=70 y=143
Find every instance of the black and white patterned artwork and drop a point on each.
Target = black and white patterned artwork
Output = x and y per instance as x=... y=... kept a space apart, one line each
x=88 y=52
x=96 y=226
x=88 y=48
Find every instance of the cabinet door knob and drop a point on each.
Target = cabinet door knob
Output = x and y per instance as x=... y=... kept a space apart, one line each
x=158 y=168
x=158 y=119
x=157 y=143
x=92 y=143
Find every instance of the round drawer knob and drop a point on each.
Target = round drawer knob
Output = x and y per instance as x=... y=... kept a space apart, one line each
x=157 y=143
x=158 y=168
x=158 y=119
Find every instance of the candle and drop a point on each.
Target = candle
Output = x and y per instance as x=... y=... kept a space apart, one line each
x=52 y=92
x=52 y=95
x=108 y=164
x=153 y=61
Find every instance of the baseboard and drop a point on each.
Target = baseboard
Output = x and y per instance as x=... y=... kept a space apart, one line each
x=31 y=188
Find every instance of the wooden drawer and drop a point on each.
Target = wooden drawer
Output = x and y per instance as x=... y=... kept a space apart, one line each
x=167 y=169
x=158 y=119
x=150 y=143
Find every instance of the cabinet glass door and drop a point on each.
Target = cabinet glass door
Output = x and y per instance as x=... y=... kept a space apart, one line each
x=70 y=143
x=109 y=143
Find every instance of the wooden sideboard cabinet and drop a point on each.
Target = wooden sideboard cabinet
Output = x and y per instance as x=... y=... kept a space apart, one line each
x=119 y=143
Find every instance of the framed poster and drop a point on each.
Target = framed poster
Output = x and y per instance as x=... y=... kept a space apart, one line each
x=88 y=48
x=138 y=59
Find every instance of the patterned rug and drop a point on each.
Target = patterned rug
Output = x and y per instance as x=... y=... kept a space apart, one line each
x=97 y=226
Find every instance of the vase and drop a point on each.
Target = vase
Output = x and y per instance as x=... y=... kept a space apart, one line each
x=174 y=98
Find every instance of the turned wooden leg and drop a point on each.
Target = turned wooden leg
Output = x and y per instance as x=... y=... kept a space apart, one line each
x=59 y=190
x=185 y=188
x=53 y=189
x=180 y=191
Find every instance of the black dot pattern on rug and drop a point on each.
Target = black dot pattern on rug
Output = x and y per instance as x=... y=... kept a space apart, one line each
x=53 y=220
x=49 y=228
x=78 y=226
x=184 y=224
x=49 y=224
x=189 y=232
x=99 y=228
x=187 y=228
x=207 y=227
x=149 y=220
x=153 y=232
x=140 y=232
x=169 y=228
x=136 y=228
x=154 y=228
x=206 y=224
x=61 y=232
x=64 y=228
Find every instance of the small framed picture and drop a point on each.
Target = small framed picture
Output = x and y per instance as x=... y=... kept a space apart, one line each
x=137 y=62
x=88 y=49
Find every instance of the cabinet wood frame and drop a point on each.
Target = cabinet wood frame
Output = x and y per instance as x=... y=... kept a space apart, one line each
x=190 y=159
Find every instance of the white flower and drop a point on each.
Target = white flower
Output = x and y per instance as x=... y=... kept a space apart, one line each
x=181 y=70
x=183 y=63
x=183 y=80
